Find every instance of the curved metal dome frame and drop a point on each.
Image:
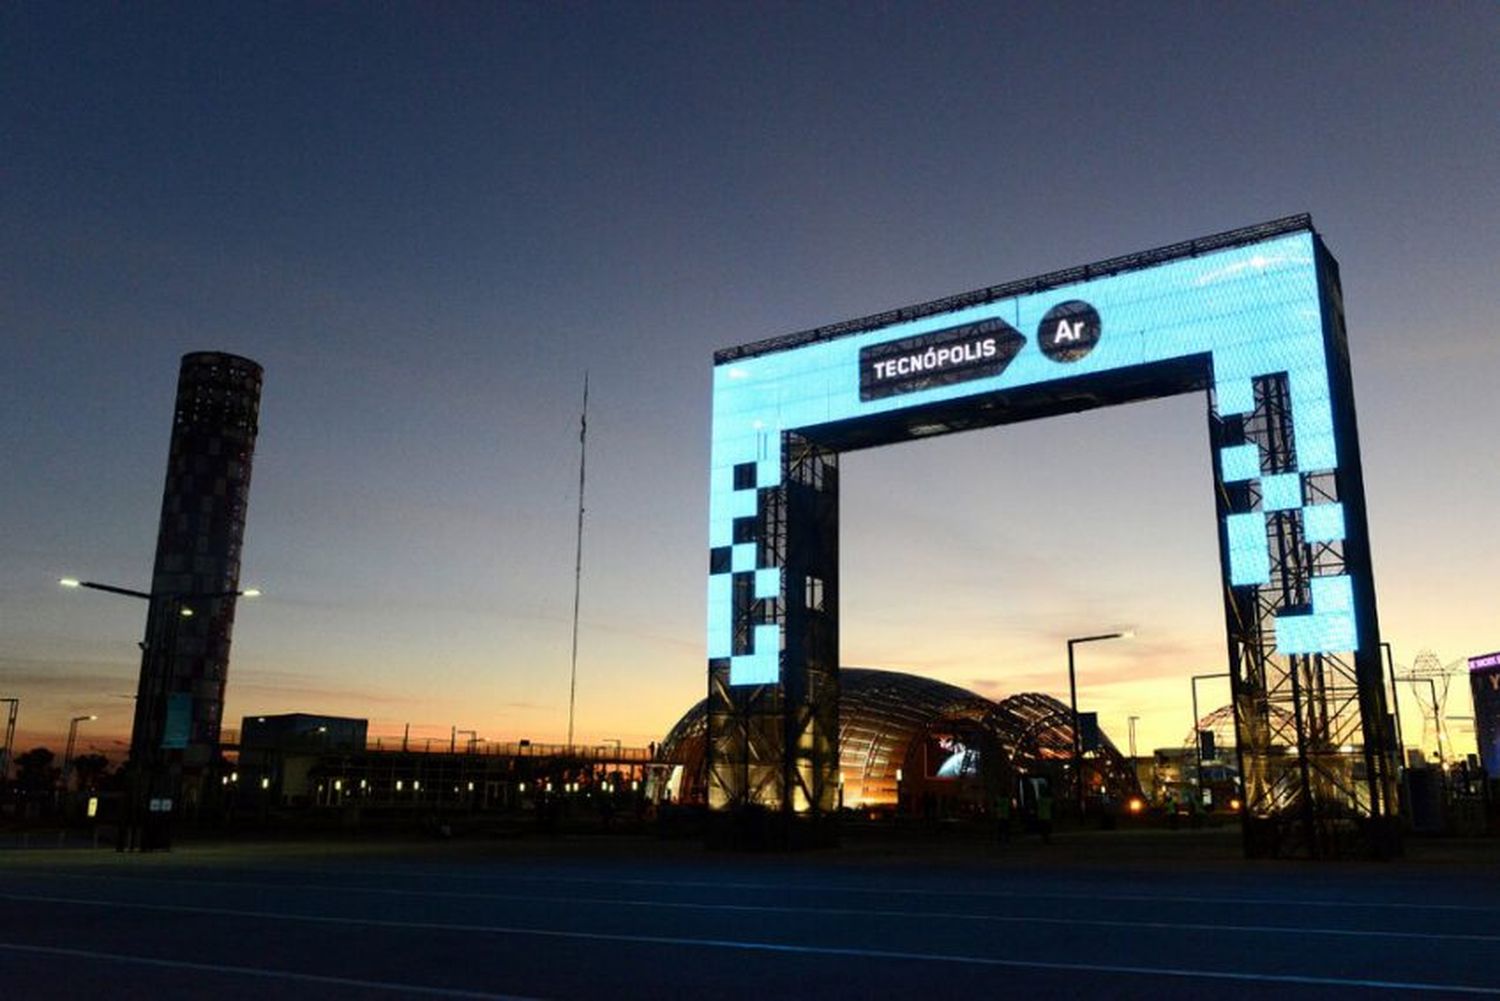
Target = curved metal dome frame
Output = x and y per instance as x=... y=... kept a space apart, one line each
x=884 y=714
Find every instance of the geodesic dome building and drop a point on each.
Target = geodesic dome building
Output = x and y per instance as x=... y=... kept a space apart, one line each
x=909 y=743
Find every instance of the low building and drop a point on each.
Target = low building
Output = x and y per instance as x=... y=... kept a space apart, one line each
x=278 y=754
x=303 y=761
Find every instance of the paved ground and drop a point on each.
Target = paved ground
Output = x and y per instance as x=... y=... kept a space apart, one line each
x=1146 y=915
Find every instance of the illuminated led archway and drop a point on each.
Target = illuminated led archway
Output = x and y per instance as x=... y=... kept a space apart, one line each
x=1253 y=317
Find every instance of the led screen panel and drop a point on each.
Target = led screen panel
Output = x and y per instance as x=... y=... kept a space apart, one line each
x=1240 y=313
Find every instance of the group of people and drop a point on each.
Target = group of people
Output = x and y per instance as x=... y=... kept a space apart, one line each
x=1194 y=810
x=1042 y=814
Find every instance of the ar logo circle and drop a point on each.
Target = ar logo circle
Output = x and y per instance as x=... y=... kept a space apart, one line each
x=1068 y=331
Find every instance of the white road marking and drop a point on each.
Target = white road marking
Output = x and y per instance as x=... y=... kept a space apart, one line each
x=1404 y=907
x=253 y=971
x=1023 y=919
x=791 y=948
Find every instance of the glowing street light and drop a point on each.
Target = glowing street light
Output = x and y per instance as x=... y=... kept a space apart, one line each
x=177 y=596
x=147 y=770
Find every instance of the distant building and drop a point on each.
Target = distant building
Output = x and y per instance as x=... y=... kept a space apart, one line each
x=279 y=754
x=180 y=699
x=1484 y=685
x=304 y=761
x=1177 y=777
x=302 y=732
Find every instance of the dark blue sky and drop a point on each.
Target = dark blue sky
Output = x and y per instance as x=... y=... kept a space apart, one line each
x=426 y=222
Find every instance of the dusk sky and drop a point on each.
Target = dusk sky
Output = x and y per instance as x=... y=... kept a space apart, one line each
x=428 y=221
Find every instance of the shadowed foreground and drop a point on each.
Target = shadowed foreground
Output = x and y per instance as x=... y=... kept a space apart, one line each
x=1149 y=914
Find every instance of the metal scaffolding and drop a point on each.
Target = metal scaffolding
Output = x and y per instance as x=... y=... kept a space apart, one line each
x=775 y=746
x=1315 y=741
x=1316 y=751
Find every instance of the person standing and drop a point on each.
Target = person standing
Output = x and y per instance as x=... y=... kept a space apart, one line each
x=1002 y=816
x=1044 y=816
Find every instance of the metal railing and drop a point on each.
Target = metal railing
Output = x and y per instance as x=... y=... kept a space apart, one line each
x=510 y=749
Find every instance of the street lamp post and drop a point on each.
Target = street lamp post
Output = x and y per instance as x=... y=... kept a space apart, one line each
x=10 y=736
x=147 y=779
x=1390 y=667
x=1198 y=736
x=1437 y=719
x=1073 y=705
x=67 y=772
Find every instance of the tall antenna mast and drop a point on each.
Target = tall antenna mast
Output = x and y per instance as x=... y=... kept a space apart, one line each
x=583 y=454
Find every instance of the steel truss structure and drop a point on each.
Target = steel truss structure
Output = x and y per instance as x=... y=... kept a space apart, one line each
x=778 y=744
x=1258 y=324
x=1316 y=746
x=1039 y=737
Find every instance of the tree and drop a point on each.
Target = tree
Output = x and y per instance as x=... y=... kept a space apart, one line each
x=90 y=770
x=34 y=771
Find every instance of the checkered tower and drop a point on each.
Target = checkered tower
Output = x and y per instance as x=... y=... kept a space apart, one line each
x=181 y=698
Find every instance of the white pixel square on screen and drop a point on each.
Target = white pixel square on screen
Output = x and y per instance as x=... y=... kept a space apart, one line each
x=768 y=582
x=1281 y=492
x=1234 y=396
x=1248 y=560
x=1323 y=522
x=1240 y=462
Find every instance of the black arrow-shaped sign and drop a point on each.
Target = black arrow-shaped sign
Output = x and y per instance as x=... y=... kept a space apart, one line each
x=976 y=350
